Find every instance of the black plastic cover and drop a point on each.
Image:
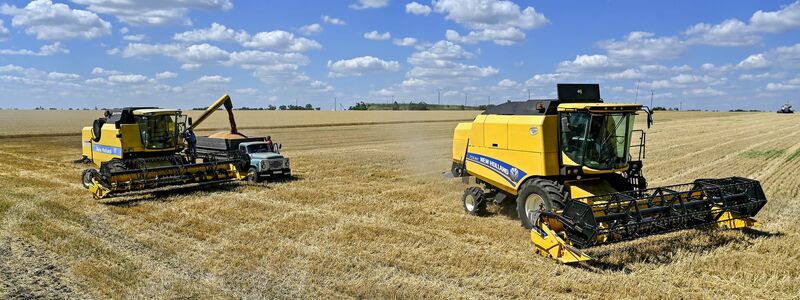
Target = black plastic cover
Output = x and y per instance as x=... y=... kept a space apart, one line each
x=574 y=92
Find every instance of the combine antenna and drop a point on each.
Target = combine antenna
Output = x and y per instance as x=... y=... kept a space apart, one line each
x=529 y=94
x=334 y=103
x=637 y=93
x=652 y=91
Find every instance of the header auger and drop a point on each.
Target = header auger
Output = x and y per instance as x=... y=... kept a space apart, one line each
x=568 y=164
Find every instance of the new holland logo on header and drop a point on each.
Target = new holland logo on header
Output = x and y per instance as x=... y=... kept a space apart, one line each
x=508 y=172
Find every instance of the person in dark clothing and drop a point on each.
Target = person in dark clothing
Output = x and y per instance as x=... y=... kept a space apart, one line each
x=270 y=145
x=191 y=142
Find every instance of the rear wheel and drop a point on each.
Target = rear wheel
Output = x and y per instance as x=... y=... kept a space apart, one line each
x=538 y=195
x=474 y=201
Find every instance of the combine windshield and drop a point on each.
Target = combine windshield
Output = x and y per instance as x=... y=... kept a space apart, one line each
x=598 y=141
x=159 y=131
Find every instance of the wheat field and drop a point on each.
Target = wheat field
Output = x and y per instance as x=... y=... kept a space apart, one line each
x=370 y=216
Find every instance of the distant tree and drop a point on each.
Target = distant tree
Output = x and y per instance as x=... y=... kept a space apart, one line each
x=395 y=106
x=271 y=107
x=282 y=107
x=309 y=107
x=359 y=106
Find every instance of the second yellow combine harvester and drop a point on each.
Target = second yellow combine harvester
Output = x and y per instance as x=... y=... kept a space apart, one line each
x=140 y=149
x=568 y=164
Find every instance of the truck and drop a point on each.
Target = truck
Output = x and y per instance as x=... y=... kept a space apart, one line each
x=265 y=162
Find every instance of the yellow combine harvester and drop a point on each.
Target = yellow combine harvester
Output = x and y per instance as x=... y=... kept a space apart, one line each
x=568 y=164
x=139 y=149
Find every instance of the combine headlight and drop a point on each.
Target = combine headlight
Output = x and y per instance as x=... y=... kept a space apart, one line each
x=286 y=164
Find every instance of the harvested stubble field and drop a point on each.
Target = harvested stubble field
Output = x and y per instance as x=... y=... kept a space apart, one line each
x=370 y=217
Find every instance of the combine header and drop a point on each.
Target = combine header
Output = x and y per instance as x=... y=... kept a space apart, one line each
x=141 y=149
x=568 y=164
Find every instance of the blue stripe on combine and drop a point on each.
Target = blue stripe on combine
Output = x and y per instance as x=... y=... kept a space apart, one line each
x=506 y=171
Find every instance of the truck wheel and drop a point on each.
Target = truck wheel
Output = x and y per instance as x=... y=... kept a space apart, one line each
x=474 y=201
x=252 y=175
x=535 y=195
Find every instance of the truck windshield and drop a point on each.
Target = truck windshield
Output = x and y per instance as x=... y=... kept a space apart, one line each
x=598 y=141
x=158 y=131
x=258 y=148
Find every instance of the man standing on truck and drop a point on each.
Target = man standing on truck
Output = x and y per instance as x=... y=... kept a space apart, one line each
x=268 y=140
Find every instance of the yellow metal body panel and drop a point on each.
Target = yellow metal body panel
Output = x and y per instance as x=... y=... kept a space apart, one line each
x=588 y=187
x=460 y=137
x=495 y=132
x=476 y=132
x=505 y=150
x=116 y=143
x=549 y=244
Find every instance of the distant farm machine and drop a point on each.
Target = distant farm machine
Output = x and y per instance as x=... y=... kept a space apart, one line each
x=568 y=164
x=786 y=109
x=140 y=149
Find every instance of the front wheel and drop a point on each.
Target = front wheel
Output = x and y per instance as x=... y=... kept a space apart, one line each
x=86 y=178
x=252 y=175
x=474 y=201
x=537 y=195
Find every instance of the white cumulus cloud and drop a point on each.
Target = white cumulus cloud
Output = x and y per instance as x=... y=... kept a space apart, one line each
x=332 y=20
x=217 y=32
x=166 y=75
x=490 y=18
x=366 y=4
x=3 y=32
x=45 y=50
x=405 y=42
x=310 y=29
x=377 y=36
x=56 y=21
x=153 y=12
x=213 y=79
x=415 y=8
x=359 y=66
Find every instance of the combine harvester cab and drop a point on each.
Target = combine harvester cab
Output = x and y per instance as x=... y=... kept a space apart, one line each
x=142 y=149
x=568 y=164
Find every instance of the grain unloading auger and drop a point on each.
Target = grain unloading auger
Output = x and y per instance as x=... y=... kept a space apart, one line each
x=141 y=149
x=569 y=165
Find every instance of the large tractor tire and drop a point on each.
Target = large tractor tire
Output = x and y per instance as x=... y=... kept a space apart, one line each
x=538 y=194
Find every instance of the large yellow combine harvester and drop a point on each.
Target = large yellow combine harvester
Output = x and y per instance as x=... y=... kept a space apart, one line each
x=139 y=149
x=568 y=163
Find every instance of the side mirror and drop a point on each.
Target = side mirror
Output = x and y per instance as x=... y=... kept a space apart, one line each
x=280 y=146
x=190 y=121
x=649 y=115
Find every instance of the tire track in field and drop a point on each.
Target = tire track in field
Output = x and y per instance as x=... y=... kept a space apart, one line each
x=691 y=139
x=776 y=163
x=708 y=149
x=726 y=157
x=148 y=258
x=29 y=273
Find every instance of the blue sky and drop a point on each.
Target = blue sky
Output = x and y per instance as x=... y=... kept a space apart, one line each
x=186 y=53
